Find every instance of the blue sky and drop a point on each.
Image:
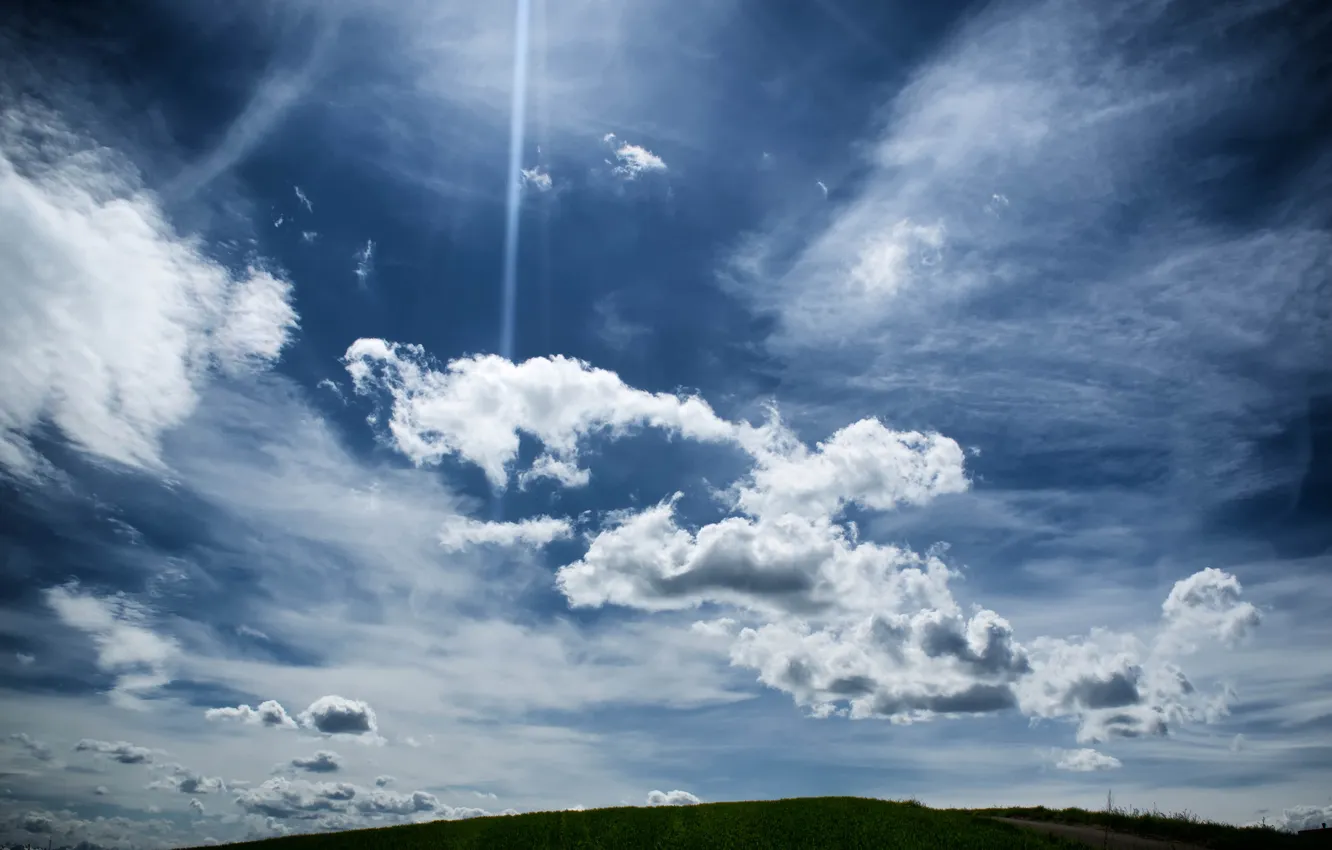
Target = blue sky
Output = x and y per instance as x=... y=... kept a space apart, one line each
x=902 y=402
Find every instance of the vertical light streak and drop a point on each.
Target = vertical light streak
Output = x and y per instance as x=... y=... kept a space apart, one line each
x=517 y=124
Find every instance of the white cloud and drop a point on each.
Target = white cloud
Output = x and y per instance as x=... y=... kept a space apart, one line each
x=365 y=263
x=269 y=713
x=1299 y=818
x=309 y=236
x=461 y=532
x=304 y=201
x=126 y=647
x=383 y=781
x=1085 y=760
x=633 y=160
x=538 y=178
x=344 y=805
x=1206 y=607
x=24 y=658
x=672 y=798
x=477 y=406
x=112 y=320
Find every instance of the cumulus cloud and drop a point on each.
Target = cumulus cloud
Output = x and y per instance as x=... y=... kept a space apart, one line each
x=197 y=806
x=335 y=715
x=32 y=746
x=186 y=781
x=632 y=160
x=477 y=407
x=323 y=761
x=1085 y=760
x=343 y=805
x=1299 y=818
x=112 y=320
x=384 y=781
x=672 y=798
x=118 y=751
x=461 y=532
x=1206 y=606
x=126 y=646
x=269 y=713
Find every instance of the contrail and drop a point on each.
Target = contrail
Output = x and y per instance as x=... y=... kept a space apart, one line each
x=517 y=123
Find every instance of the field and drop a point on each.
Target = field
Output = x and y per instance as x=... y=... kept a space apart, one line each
x=1184 y=827
x=844 y=823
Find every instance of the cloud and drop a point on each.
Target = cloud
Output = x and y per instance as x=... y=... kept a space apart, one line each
x=34 y=748
x=272 y=99
x=822 y=187
x=672 y=798
x=197 y=806
x=126 y=647
x=269 y=713
x=24 y=658
x=537 y=178
x=1299 y=818
x=342 y=805
x=323 y=761
x=101 y=791
x=384 y=781
x=1207 y=607
x=186 y=781
x=118 y=751
x=633 y=160
x=461 y=532
x=309 y=236
x=365 y=263
x=477 y=406
x=304 y=201
x=335 y=715
x=112 y=320
x=1085 y=760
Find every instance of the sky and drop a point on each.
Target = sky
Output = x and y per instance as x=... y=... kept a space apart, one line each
x=418 y=410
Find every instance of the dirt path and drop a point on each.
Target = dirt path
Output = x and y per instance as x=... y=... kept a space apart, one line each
x=1096 y=836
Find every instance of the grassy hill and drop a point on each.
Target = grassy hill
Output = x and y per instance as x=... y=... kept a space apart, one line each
x=843 y=823
x=1184 y=827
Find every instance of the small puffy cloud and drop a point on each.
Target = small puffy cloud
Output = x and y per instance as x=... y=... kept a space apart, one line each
x=126 y=647
x=186 y=781
x=24 y=658
x=1206 y=606
x=269 y=713
x=113 y=321
x=384 y=781
x=1085 y=760
x=118 y=751
x=34 y=748
x=335 y=715
x=197 y=806
x=101 y=791
x=672 y=798
x=461 y=532
x=309 y=236
x=1237 y=743
x=632 y=160
x=537 y=178
x=323 y=761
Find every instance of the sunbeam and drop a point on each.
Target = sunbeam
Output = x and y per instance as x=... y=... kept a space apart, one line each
x=513 y=202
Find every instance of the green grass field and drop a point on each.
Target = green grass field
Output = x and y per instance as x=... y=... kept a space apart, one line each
x=1180 y=826
x=844 y=823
